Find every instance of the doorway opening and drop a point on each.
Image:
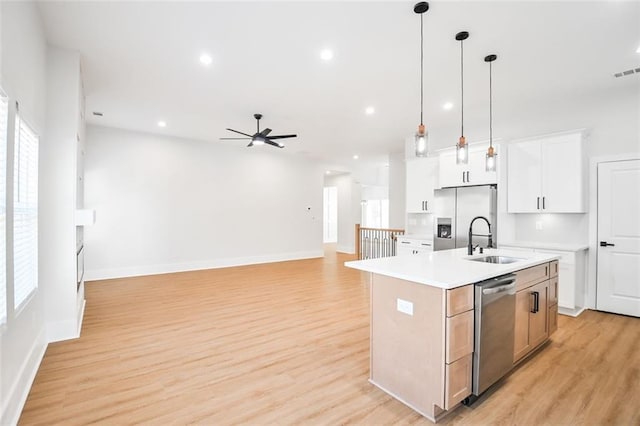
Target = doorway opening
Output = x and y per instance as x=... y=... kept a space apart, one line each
x=330 y=215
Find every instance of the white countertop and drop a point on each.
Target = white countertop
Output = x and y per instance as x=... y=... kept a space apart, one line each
x=546 y=246
x=422 y=237
x=449 y=268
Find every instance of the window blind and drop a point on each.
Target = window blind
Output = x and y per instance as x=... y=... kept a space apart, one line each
x=25 y=213
x=4 y=116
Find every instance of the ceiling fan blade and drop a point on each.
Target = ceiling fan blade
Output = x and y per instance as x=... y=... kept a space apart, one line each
x=272 y=143
x=233 y=139
x=283 y=136
x=235 y=131
x=265 y=132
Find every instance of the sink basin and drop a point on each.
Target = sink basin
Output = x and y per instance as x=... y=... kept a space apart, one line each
x=496 y=259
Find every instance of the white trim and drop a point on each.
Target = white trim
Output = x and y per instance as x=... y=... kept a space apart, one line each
x=345 y=249
x=582 y=131
x=19 y=391
x=134 y=271
x=592 y=281
x=570 y=312
x=62 y=330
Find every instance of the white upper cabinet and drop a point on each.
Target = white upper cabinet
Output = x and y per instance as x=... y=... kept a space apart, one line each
x=422 y=177
x=474 y=173
x=546 y=175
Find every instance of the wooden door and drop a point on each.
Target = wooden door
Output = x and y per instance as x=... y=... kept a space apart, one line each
x=618 y=276
x=521 y=335
x=538 y=330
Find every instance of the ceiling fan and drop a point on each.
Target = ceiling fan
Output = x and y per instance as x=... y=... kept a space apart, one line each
x=260 y=137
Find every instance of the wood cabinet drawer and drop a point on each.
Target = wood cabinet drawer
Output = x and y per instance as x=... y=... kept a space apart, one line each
x=553 y=318
x=459 y=336
x=530 y=276
x=554 y=268
x=457 y=381
x=459 y=300
x=553 y=289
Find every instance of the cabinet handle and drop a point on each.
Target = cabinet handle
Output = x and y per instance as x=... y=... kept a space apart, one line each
x=536 y=302
x=546 y=272
x=538 y=203
x=426 y=205
x=543 y=207
x=463 y=179
x=405 y=242
x=468 y=179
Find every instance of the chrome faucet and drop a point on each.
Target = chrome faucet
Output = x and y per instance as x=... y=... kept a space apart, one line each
x=470 y=247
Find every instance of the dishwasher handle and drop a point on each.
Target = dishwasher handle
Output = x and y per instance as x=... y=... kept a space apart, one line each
x=509 y=285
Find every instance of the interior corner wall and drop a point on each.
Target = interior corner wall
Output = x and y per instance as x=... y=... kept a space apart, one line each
x=165 y=204
x=23 y=78
x=397 y=191
x=349 y=210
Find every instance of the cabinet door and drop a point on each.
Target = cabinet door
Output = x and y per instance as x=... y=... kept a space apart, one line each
x=457 y=381
x=524 y=182
x=521 y=335
x=477 y=173
x=562 y=174
x=553 y=319
x=538 y=331
x=421 y=180
x=450 y=173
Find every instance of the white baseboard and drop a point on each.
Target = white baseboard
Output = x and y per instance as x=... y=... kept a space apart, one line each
x=135 y=271
x=62 y=330
x=345 y=249
x=570 y=312
x=19 y=391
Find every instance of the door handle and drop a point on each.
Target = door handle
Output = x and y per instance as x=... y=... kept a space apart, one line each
x=606 y=244
x=536 y=302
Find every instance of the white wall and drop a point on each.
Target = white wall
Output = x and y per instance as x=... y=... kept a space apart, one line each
x=165 y=204
x=23 y=77
x=349 y=209
x=397 y=190
x=58 y=194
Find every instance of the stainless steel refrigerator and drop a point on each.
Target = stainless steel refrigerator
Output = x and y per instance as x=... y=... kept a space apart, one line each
x=455 y=208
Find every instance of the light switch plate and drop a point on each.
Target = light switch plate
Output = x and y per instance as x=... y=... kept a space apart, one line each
x=404 y=306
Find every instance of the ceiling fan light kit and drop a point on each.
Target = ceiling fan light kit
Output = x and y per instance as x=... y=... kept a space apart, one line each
x=421 y=138
x=260 y=137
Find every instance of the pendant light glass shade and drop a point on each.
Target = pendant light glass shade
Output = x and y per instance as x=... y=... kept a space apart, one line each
x=422 y=142
x=462 y=148
x=422 y=137
x=490 y=159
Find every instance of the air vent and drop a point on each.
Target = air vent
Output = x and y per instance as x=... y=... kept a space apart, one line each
x=627 y=72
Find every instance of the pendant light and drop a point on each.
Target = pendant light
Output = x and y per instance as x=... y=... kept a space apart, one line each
x=421 y=139
x=462 y=148
x=490 y=162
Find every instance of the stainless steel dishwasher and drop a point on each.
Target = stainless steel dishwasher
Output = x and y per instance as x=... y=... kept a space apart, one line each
x=495 y=308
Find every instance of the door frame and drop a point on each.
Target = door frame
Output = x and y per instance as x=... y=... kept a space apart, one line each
x=592 y=282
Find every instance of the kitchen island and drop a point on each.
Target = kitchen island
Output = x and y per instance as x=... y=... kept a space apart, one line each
x=424 y=318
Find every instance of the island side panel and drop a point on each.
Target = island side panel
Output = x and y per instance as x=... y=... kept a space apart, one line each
x=407 y=350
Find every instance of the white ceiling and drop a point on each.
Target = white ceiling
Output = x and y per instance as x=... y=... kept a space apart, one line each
x=140 y=64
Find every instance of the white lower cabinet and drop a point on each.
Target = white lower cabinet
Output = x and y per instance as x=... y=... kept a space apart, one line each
x=413 y=245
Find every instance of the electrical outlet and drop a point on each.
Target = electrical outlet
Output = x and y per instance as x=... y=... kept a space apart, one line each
x=404 y=306
x=538 y=225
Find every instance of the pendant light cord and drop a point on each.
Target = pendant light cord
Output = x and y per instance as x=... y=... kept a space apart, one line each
x=490 y=108
x=462 y=86
x=421 y=68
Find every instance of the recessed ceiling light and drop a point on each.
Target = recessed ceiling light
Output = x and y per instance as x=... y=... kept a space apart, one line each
x=162 y=123
x=447 y=106
x=326 y=55
x=206 y=59
x=355 y=157
x=370 y=110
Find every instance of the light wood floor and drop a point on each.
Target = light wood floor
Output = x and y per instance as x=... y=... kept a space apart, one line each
x=288 y=343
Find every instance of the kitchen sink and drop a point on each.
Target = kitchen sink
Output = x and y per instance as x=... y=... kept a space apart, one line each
x=496 y=259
